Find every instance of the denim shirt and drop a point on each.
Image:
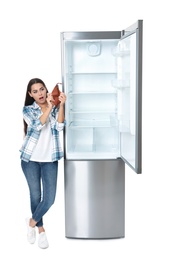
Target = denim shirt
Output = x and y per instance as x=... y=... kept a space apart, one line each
x=31 y=115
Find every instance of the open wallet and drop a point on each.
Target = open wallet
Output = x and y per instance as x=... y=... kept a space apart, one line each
x=55 y=93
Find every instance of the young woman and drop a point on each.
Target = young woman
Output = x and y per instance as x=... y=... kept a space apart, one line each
x=40 y=152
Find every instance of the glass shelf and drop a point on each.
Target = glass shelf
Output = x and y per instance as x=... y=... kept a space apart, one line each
x=92 y=123
x=92 y=112
x=93 y=92
x=72 y=73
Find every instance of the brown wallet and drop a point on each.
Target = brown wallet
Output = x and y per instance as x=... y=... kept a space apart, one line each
x=55 y=93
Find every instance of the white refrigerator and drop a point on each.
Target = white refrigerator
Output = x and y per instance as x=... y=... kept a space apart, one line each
x=102 y=78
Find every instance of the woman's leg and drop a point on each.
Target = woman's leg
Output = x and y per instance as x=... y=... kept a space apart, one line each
x=49 y=173
x=32 y=172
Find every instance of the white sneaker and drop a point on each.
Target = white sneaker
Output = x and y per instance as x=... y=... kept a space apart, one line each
x=42 y=240
x=31 y=234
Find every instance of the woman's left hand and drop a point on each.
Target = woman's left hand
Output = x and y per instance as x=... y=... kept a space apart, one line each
x=62 y=98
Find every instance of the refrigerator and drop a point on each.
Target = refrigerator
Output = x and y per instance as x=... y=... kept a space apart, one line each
x=102 y=79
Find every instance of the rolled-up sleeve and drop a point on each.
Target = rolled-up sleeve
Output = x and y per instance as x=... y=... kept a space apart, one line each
x=60 y=126
x=54 y=121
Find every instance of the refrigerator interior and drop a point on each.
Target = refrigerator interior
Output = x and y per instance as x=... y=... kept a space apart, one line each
x=99 y=81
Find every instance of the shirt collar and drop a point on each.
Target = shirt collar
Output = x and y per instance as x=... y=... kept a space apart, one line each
x=35 y=105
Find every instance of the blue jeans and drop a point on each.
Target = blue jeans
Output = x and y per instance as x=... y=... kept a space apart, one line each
x=42 y=182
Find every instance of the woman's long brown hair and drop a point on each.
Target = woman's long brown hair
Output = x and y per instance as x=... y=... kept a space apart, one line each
x=28 y=99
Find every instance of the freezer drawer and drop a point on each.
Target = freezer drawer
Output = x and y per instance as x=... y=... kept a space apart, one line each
x=94 y=199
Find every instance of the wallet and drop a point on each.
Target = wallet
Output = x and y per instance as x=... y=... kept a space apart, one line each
x=55 y=93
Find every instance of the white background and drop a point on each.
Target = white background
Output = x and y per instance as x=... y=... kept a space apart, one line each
x=30 y=47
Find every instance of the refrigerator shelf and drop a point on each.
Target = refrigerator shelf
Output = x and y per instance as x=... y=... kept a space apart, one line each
x=72 y=73
x=92 y=111
x=93 y=92
x=92 y=123
x=123 y=87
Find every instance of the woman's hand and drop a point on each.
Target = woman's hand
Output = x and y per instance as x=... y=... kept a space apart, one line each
x=50 y=100
x=62 y=98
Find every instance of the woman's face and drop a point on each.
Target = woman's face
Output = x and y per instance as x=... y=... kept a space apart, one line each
x=39 y=93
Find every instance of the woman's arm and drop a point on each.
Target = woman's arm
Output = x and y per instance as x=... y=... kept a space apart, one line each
x=45 y=115
x=46 y=111
x=61 y=116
